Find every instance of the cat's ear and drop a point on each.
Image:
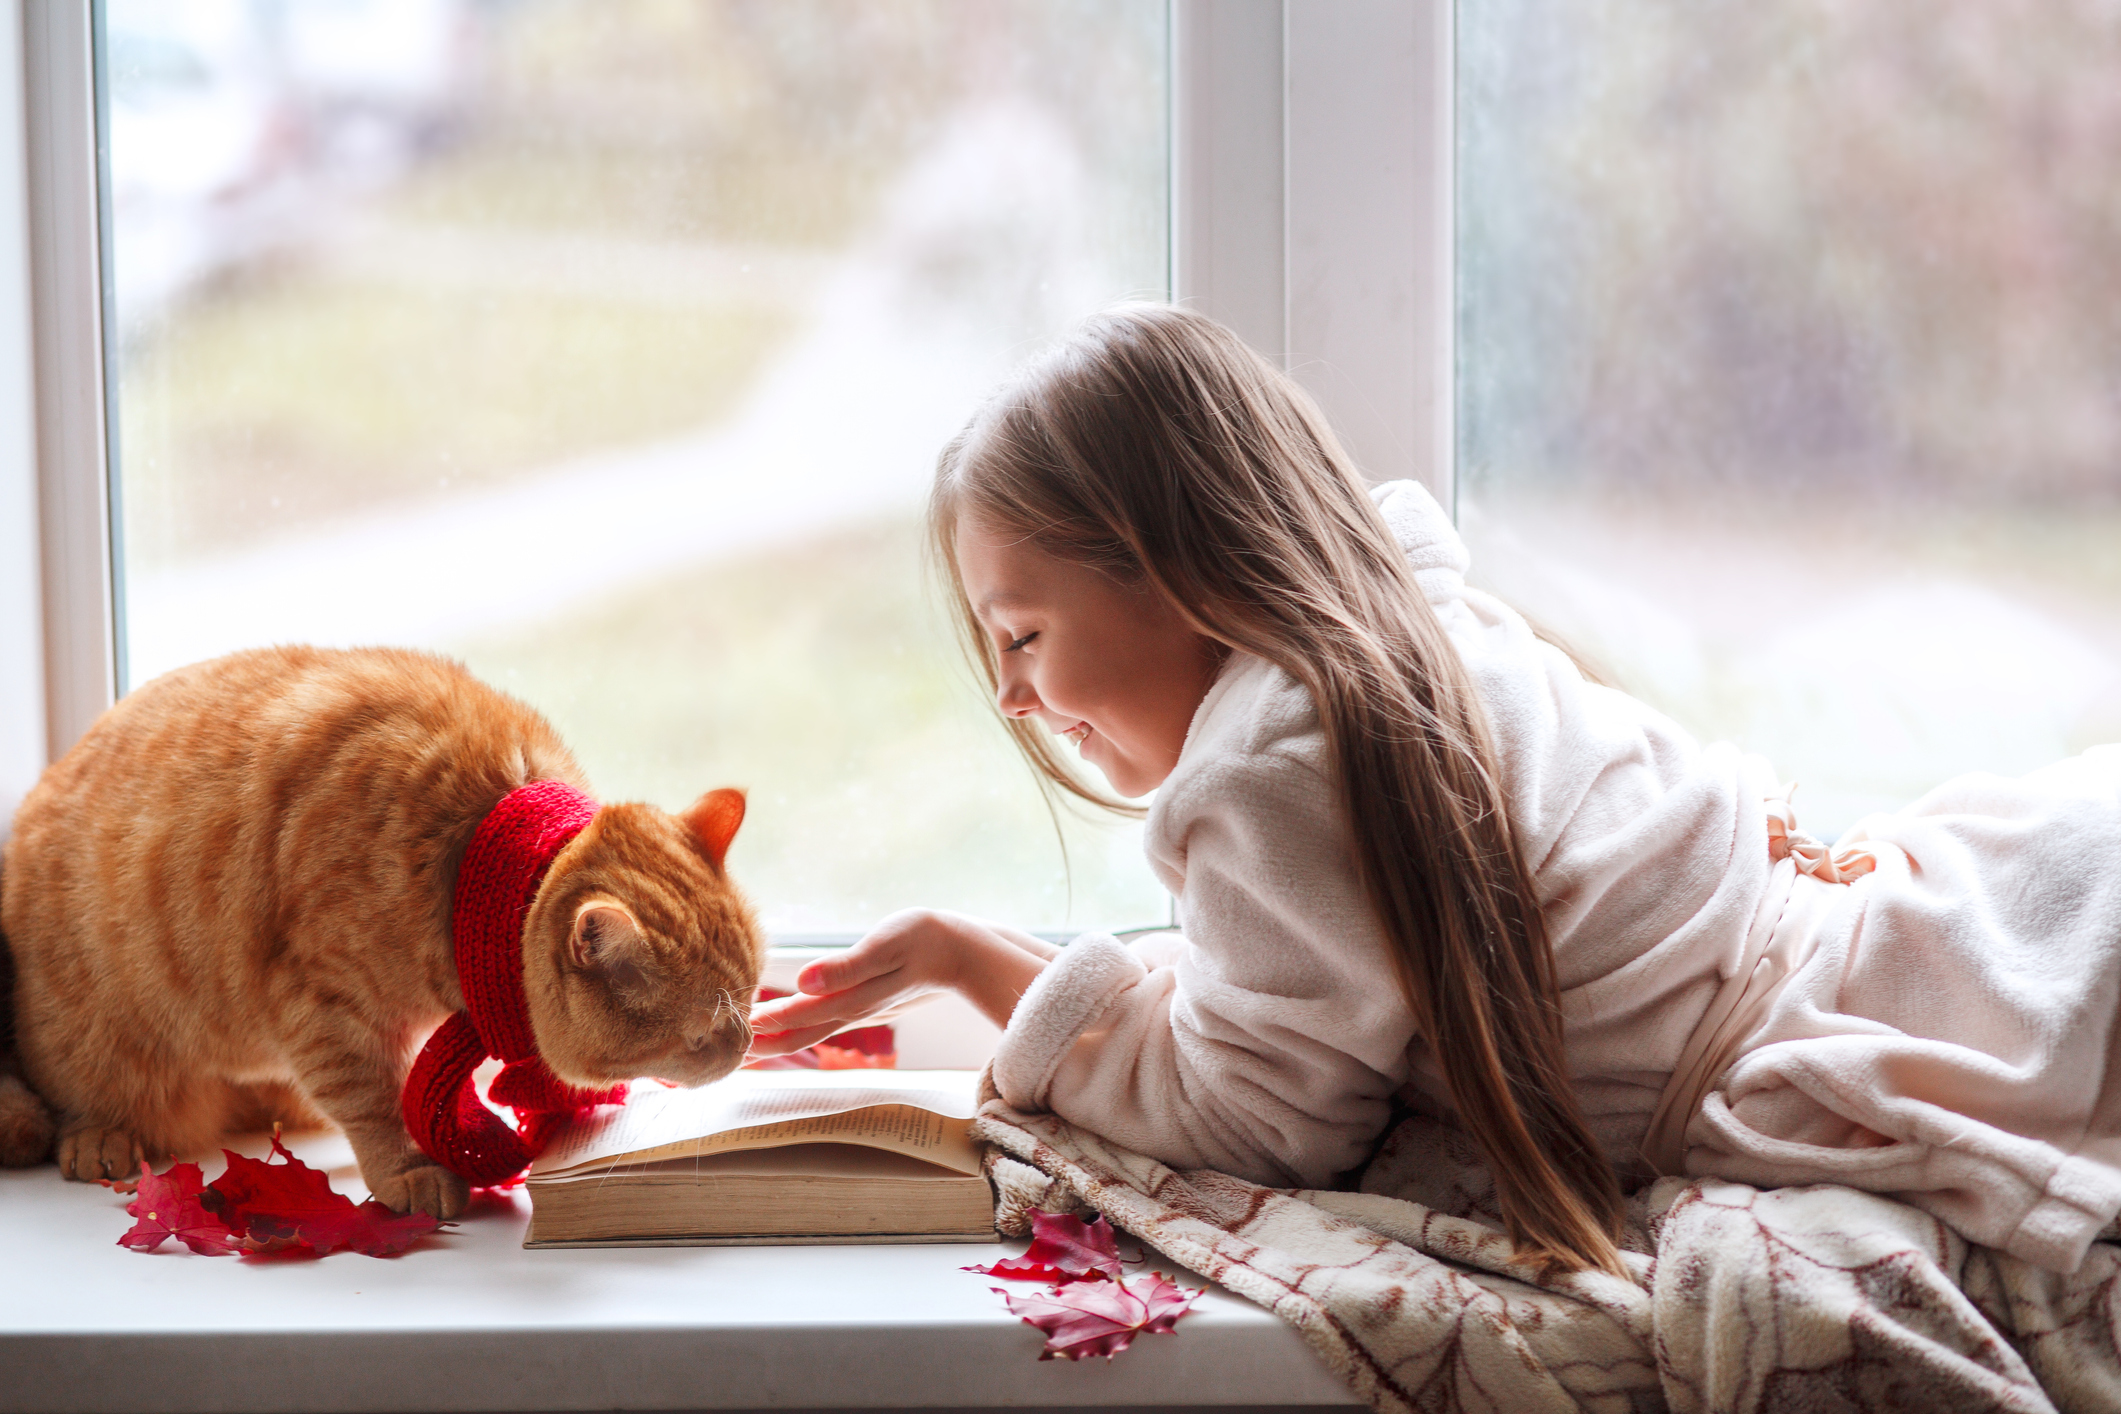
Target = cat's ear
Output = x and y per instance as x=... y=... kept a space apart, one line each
x=713 y=819
x=608 y=941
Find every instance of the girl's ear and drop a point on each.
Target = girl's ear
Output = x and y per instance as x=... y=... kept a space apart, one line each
x=713 y=819
x=608 y=941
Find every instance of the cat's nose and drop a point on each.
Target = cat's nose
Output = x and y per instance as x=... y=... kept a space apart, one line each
x=729 y=1031
x=707 y=1050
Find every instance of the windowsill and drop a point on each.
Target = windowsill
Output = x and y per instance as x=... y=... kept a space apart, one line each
x=471 y=1321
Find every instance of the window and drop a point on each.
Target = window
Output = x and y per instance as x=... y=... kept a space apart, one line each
x=359 y=167
x=608 y=346
x=413 y=179
x=1748 y=397
x=1790 y=370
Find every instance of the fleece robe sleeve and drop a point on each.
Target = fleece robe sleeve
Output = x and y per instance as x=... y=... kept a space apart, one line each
x=1266 y=1041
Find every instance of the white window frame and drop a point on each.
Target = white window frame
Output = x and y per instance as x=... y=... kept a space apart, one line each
x=1311 y=207
x=1310 y=204
x=58 y=641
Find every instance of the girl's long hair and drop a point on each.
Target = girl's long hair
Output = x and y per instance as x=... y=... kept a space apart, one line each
x=1155 y=446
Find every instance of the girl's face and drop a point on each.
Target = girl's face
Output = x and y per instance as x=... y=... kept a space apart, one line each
x=1112 y=668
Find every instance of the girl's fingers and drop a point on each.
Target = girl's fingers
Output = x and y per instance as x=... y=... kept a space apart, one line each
x=842 y=1008
x=767 y=1015
x=825 y=975
x=884 y=972
x=906 y=941
x=851 y=968
x=779 y=1015
x=785 y=1043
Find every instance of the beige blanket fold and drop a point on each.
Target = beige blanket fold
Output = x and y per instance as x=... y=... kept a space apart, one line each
x=1743 y=1300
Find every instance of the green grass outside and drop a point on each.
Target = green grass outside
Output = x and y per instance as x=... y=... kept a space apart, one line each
x=783 y=198
x=293 y=397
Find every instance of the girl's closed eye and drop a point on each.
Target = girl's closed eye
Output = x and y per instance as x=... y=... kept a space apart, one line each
x=1020 y=642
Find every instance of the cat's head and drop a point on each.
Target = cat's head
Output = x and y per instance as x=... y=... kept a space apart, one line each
x=639 y=956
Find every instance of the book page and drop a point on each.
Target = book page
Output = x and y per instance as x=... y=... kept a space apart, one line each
x=789 y=1161
x=922 y=1114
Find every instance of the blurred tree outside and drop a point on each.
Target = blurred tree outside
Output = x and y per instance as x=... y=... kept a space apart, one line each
x=1841 y=244
x=1790 y=367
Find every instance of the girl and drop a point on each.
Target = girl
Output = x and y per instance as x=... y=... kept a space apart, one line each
x=1417 y=855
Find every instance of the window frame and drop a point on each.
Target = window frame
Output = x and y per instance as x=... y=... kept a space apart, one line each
x=24 y=746
x=1310 y=209
x=59 y=639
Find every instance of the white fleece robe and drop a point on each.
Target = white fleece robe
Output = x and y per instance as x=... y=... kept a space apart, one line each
x=1948 y=1039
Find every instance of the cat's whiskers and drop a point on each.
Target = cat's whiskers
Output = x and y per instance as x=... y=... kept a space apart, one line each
x=726 y=1004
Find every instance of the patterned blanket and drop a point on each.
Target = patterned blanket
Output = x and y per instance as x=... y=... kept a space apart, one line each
x=1742 y=1299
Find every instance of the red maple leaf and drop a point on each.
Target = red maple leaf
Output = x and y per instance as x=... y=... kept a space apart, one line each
x=275 y=1207
x=1063 y=1248
x=167 y=1205
x=1084 y=1318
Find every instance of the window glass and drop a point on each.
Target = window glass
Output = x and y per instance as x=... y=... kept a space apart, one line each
x=608 y=345
x=1790 y=369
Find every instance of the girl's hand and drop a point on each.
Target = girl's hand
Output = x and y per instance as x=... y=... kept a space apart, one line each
x=908 y=956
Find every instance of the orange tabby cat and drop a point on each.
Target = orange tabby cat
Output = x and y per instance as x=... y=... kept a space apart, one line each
x=232 y=900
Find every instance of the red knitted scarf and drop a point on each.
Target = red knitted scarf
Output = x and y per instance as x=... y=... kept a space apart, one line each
x=506 y=861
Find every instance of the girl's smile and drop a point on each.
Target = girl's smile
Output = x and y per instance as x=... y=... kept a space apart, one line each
x=1112 y=667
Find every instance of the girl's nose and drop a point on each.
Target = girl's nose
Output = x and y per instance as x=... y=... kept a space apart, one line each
x=1015 y=697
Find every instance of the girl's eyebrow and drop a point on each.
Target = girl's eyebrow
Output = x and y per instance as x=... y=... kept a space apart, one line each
x=1000 y=596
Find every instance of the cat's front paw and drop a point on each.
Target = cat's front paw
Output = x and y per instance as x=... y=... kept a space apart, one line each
x=429 y=1189
x=90 y=1151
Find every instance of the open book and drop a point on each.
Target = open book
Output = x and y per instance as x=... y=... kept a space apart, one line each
x=775 y=1156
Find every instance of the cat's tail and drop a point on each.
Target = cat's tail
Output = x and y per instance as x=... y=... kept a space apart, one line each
x=26 y=1124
